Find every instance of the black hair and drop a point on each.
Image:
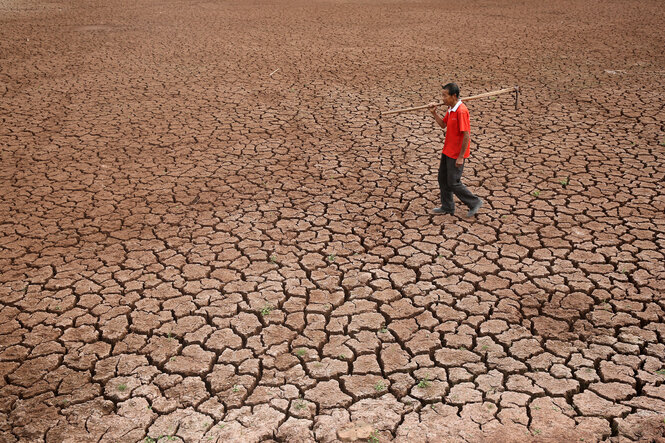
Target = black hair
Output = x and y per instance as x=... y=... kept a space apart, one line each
x=452 y=89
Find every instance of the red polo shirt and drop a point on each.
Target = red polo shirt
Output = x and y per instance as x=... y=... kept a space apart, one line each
x=456 y=120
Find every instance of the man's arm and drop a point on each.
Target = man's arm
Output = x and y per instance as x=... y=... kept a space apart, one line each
x=463 y=149
x=438 y=119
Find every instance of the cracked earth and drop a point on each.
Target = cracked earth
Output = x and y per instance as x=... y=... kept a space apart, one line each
x=208 y=234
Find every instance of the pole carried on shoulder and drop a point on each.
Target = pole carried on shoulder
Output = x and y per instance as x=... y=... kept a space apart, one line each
x=515 y=90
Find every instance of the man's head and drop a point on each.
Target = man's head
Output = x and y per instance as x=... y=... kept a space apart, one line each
x=450 y=94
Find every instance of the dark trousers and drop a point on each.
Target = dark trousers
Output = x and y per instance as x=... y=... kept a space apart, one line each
x=450 y=183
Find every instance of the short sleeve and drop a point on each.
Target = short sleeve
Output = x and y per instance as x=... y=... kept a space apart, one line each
x=464 y=120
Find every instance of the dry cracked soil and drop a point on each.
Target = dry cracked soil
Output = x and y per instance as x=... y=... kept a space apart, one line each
x=208 y=234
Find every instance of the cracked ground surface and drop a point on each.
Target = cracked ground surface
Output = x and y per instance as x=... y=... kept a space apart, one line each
x=197 y=246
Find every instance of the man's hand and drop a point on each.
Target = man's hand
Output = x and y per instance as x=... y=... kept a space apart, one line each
x=437 y=117
x=463 y=149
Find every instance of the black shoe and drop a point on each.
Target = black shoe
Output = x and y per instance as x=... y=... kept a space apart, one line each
x=441 y=211
x=475 y=209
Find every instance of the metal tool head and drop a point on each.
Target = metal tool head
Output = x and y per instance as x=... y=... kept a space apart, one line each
x=517 y=96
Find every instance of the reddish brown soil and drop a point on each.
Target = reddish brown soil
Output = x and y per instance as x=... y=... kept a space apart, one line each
x=193 y=248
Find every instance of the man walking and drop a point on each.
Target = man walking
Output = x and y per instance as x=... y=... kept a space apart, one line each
x=456 y=148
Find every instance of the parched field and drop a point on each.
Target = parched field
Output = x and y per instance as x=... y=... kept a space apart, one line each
x=208 y=234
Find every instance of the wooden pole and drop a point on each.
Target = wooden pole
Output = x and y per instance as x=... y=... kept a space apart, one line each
x=464 y=99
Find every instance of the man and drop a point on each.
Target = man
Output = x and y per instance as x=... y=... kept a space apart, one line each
x=456 y=148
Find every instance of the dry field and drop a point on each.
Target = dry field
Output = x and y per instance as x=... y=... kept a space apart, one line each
x=208 y=234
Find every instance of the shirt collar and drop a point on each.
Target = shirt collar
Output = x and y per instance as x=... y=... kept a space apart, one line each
x=454 y=109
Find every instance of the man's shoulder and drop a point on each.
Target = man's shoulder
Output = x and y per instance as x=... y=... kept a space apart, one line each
x=462 y=109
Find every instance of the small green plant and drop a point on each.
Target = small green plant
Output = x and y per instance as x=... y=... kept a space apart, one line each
x=236 y=388
x=331 y=258
x=564 y=182
x=300 y=404
x=490 y=406
x=383 y=330
x=374 y=438
x=424 y=382
x=433 y=406
x=535 y=193
x=149 y=440
x=221 y=426
x=172 y=358
x=536 y=408
x=273 y=258
x=536 y=431
x=660 y=372
x=122 y=387
x=301 y=352
x=462 y=348
x=58 y=308
x=169 y=336
x=341 y=357
x=484 y=348
x=266 y=310
x=380 y=386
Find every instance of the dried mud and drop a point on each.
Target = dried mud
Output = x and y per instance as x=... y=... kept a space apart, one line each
x=208 y=234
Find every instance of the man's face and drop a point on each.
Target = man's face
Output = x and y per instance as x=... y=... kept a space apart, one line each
x=448 y=99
